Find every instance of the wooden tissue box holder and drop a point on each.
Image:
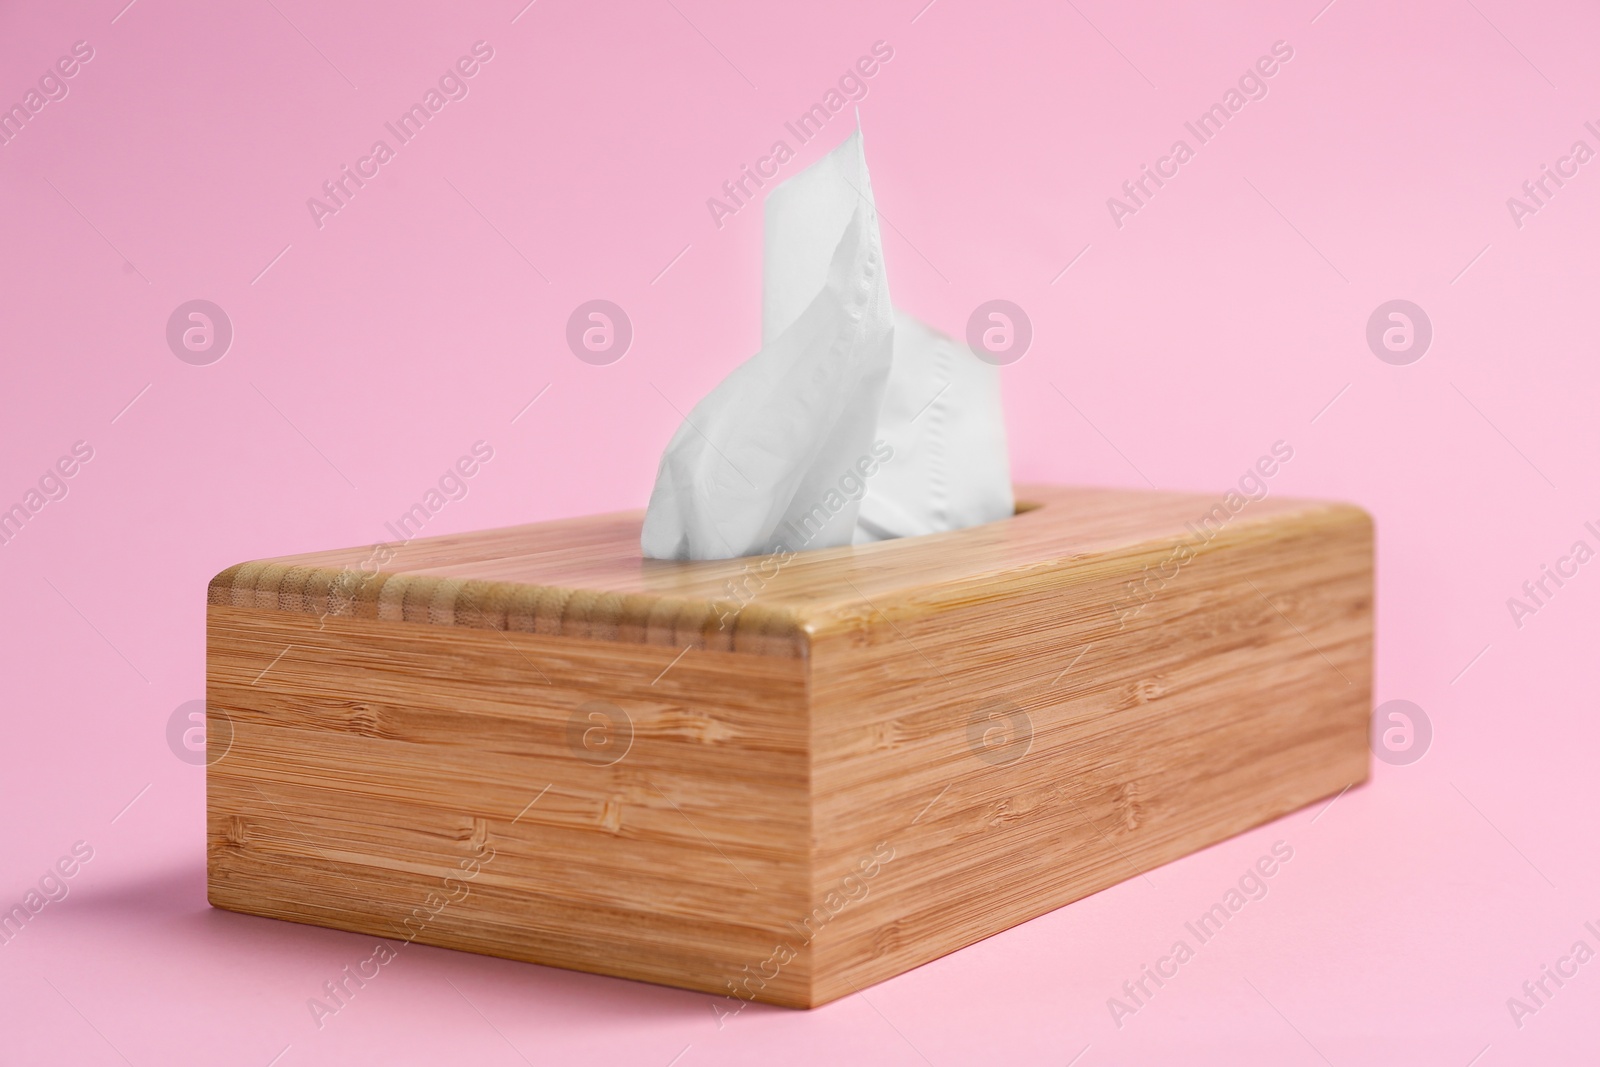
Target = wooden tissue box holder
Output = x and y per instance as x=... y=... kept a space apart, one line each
x=775 y=778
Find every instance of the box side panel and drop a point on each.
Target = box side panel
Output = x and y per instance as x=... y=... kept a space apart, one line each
x=584 y=804
x=1070 y=727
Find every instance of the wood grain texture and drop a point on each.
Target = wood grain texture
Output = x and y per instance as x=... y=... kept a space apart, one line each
x=845 y=765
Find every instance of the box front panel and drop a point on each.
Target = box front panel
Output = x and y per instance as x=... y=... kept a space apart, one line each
x=608 y=807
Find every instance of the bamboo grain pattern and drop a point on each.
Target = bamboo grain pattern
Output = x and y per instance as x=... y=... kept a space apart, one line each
x=585 y=577
x=385 y=729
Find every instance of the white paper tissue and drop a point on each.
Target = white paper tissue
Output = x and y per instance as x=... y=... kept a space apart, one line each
x=854 y=423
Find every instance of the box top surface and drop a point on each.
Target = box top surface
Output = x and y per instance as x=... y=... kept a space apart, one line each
x=585 y=577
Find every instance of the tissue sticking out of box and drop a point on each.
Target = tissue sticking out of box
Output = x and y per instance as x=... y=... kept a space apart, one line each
x=854 y=423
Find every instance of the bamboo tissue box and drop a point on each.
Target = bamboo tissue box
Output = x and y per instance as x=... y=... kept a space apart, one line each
x=778 y=778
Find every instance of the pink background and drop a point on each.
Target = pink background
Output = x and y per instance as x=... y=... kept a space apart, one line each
x=1226 y=314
